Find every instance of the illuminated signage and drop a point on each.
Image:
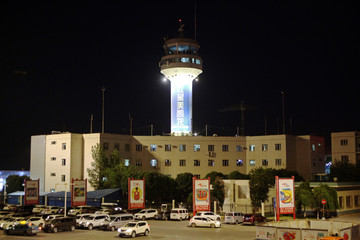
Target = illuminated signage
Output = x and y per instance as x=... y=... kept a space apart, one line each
x=181 y=106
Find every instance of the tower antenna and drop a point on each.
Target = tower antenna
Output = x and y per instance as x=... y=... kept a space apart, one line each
x=103 y=109
x=195 y=21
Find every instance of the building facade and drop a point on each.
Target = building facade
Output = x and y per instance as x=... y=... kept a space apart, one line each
x=57 y=158
x=345 y=146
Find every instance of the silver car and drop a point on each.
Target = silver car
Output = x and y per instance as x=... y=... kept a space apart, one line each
x=116 y=221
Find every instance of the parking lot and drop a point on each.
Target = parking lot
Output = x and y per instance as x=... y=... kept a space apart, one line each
x=159 y=230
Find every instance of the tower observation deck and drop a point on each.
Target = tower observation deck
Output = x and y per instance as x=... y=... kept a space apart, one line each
x=181 y=64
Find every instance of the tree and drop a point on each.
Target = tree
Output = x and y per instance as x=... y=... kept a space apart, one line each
x=238 y=175
x=261 y=180
x=15 y=183
x=216 y=180
x=304 y=197
x=323 y=191
x=159 y=188
x=185 y=184
x=97 y=172
x=345 y=172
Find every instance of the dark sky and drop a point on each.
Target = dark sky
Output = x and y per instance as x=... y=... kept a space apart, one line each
x=57 y=55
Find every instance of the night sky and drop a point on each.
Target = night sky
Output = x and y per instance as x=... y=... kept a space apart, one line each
x=56 y=57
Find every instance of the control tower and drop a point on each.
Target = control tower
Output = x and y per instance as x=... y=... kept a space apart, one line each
x=181 y=65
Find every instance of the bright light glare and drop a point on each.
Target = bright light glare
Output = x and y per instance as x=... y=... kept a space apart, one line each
x=164 y=79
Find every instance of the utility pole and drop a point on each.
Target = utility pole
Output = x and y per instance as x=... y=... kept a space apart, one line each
x=91 y=123
x=283 y=110
x=103 y=110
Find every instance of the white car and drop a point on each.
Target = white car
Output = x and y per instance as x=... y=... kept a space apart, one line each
x=36 y=221
x=134 y=228
x=210 y=215
x=145 y=214
x=38 y=208
x=93 y=220
x=50 y=210
x=53 y=216
x=80 y=217
x=198 y=221
x=10 y=222
x=79 y=210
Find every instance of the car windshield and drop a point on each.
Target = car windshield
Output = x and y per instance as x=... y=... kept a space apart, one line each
x=142 y=211
x=89 y=218
x=130 y=225
x=55 y=220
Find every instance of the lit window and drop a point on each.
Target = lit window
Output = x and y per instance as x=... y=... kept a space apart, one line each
x=264 y=147
x=153 y=162
x=239 y=162
x=196 y=147
x=127 y=162
x=153 y=147
x=252 y=148
x=167 y=163
x=313 y=147
x=167 y=147
x=252 y=162
x=182 y=147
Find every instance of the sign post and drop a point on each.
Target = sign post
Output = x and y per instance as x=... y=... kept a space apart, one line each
x=323 y=203
x=285 y=196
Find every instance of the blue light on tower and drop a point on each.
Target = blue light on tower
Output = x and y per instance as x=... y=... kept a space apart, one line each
x=181 y=65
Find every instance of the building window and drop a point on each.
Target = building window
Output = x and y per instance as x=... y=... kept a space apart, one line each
x=278 y=162
x=252 y=148
x=63 y=178
x=167 y=147
x=278 y=146
x=53 y=142
x=264 y=147
x=211 y=148
x=348 y=202
x=63 y=162
x=167 y=163
x=211 y=162
x=138 y=147
x=117 y=146
x=344 y=142
x=252 y=162
x=53 y=159
x=265 y=162
x=341 y=202
x=239 y=148
x=182 y=162
x=344 y=158
x=106 y=146
x=225 y=148
x=197 y=163
x=357 y=202
x=239 y=162
x=313 y=147
x=314 y=162
x=127 y=162
x=63 y=146
x=127 y=147
x=182 y=148
x=52 y=174
x=138 y=163
x=225 y=163
x=153 y=162
x=153 y=147
x=196 y=147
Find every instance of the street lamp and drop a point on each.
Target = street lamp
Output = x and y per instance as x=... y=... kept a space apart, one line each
x=65 y=194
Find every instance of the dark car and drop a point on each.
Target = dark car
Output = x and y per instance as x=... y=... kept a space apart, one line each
x=254 y=219
x=60 y=224
x=22 y=229
x=163 y=215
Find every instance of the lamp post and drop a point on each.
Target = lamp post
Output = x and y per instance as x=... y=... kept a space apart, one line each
x=65 y=184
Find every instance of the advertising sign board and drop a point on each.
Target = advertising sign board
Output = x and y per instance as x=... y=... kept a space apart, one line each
x=136 y=194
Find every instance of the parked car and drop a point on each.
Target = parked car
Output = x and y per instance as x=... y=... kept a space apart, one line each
x=4 y=220
x=50 y=210
x=202 y=221
x=93 y=221
x=80 y=217
x=10 y=207
x=234 y=217
x=146 y=214
x=134 y=228
x=179 y=214
x=22 y=229
x=11 y=222
x=254 y=219
x=36 y=221
x=38 y=208
x=208 y=214
x=52 y=216
x=60 y=224
x=116 y=221
x=162 y=215
x=82 y=209
x=25 y=210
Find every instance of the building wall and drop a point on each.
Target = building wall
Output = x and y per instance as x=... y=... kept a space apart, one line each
x=346 y=145
x=38 y=159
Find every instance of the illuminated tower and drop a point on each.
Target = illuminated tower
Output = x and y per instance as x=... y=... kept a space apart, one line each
x=181 y=65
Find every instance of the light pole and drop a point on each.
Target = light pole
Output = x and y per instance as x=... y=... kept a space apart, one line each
x=65 y=194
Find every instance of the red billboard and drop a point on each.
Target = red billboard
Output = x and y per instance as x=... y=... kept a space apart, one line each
x=78 y=192
x=31 y=192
